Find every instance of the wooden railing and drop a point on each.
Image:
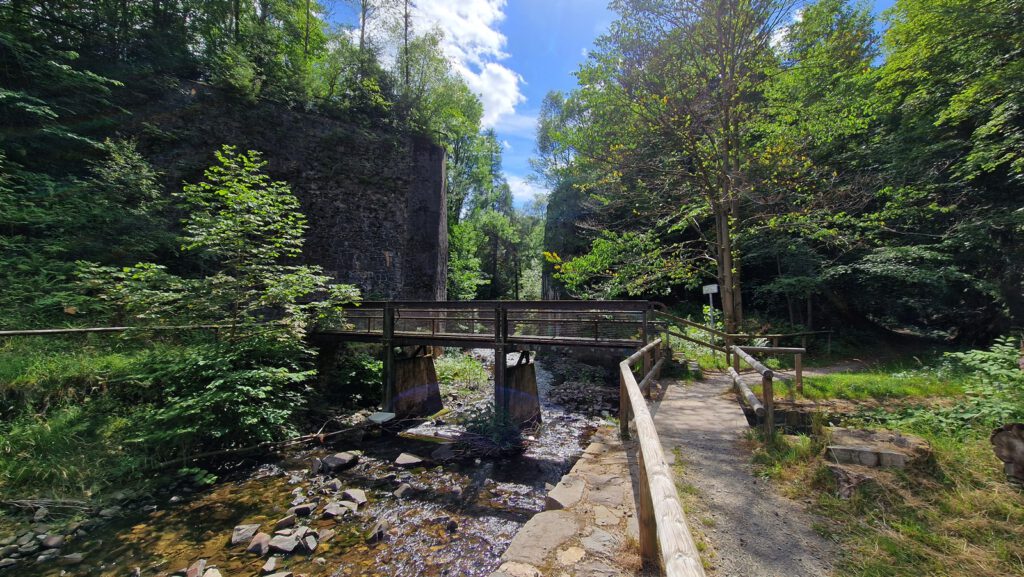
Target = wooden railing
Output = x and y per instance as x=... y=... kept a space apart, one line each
x=665 y=539
x=765 y=409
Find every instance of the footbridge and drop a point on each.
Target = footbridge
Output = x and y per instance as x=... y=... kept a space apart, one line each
x=504 y=326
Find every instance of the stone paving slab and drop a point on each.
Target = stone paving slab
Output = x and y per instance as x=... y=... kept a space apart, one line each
x=589 y=528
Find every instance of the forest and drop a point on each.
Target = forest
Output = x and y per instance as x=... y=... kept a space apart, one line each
x=832 y=169
x=823 y=172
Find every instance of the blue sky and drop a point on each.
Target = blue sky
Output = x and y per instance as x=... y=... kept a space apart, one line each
x=511 y=53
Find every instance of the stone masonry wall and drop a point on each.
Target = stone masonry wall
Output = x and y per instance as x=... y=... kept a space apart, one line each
x=375 y=199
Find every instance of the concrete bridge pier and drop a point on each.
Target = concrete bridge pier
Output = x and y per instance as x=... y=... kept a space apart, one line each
x=414 y=387
x=517 y=391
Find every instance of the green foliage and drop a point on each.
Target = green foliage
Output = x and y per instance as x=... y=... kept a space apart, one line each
x=461 y=372
x=464 y=272
x=994 y=388
x=490 y=433
x=226 y=394
x=359 y=378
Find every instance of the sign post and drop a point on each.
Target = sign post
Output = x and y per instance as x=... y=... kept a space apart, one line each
x=710 y=290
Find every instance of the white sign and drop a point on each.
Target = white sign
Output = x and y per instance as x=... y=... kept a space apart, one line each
x=710 y=289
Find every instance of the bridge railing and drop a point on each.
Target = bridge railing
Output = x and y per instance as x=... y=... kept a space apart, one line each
x=665 y=538
x=622 y=323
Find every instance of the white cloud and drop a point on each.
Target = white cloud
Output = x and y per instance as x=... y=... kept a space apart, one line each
x=475 y=45
x=516 y=124
x=523 y=190
x=584 y=52
x=506 y=145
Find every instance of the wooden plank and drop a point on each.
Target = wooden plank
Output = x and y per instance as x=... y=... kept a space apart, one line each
x=746 y=394
x=645 y=383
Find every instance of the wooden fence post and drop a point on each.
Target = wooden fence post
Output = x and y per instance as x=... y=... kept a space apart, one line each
x=798 y=368
x=769 y=404
x=623 y=407
x=645 y=519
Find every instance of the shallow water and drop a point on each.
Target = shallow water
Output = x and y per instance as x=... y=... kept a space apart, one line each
x=458 y=519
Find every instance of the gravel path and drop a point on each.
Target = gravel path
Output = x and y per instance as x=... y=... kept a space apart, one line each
x=752 y=530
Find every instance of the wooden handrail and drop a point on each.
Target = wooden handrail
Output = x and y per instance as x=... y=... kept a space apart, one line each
x=746 y=394
x=665 y=538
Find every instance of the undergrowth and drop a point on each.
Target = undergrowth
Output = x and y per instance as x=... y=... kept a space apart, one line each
x=953 y=513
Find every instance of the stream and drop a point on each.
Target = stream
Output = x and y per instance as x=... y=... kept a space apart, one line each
x=454 y=518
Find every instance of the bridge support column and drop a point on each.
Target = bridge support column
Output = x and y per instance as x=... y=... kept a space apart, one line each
x=521 y=397
x=500 y=386
x=389 y=358
x=416 y=391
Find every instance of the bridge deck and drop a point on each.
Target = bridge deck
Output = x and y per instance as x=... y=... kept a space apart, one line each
x=507 y=324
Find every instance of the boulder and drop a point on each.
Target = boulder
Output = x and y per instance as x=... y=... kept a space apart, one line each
x=244 y=533
x=1008 y=444
x=378 y=532
x=333 y=510
x=283 y=544
x=357 y=496
x=260 y=544
x=285 y=522
x=408 y=460
x=303 y=510
x=196 y=569
x=339 y=461
x=72 y=559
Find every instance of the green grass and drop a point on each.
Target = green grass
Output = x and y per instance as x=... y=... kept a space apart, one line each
x=879 y=386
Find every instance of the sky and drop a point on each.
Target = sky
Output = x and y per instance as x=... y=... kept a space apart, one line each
x=513 y=52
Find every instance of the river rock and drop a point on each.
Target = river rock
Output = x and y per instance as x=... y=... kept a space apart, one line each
x=110 y=512
x=378 y=531
x=212 y=572
x=334 y=485
x=326 y=535
x=53 y=542
x=541 y=535
x=284 y=523
x=303 y=510
x=270 y=566
x=9 y=540
x=357 y=496
x=7 y=563
x=286 y=545
x=244 y=533
x=339 y=461
x=402 y=490
x=260 y=544
x=29 y=548
x=196 y=569
x=7 y=550
x=41 y=513
x=309 y=541
x=26 y=538
x=72 y=559
x=408 y=460
x=282 y=574
x=333 y=510
x=47 y=556
x=316 y=466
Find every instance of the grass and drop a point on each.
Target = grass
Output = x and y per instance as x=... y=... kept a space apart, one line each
x=953 y=514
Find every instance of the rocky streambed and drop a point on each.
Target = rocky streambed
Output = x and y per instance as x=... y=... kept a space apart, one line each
x=376 y=505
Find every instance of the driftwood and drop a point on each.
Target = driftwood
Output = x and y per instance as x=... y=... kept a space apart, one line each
x=1008 y=444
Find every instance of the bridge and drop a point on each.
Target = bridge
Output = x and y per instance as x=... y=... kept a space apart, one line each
x=504 y=326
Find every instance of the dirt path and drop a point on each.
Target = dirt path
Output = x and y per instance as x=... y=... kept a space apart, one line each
x=752 y=530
